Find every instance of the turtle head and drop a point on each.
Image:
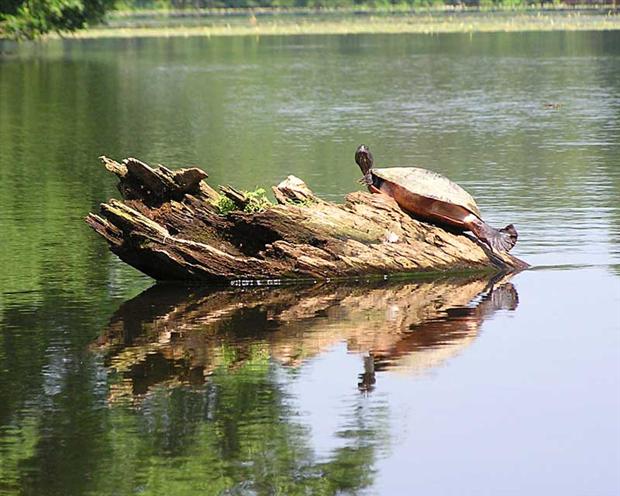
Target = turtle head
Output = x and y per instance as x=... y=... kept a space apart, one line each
x=364 y=159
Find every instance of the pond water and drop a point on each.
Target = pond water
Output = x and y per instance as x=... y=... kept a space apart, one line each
x=456 y=385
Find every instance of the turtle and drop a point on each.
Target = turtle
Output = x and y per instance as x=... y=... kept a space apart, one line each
x=429 y=196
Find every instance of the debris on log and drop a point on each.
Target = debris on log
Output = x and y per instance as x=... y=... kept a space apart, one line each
x=172 y=334
x=171 y=226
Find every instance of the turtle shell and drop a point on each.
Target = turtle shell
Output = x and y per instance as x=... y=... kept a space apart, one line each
x=429 y=184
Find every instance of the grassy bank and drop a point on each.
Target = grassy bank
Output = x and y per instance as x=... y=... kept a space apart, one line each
x=261 y=23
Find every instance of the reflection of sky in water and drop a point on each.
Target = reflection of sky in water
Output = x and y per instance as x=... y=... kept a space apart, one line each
x=325 y=393
x=513 y=414
x=525 y=399
x=503 y=400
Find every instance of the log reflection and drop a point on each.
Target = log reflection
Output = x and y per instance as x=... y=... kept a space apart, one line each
x=178 y=335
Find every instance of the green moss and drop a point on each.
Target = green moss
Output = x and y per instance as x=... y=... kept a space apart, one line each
x=301 y=203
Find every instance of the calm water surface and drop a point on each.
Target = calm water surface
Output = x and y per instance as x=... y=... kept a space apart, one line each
x=448 y=386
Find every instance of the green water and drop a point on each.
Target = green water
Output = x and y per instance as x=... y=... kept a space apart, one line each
x=451 y=386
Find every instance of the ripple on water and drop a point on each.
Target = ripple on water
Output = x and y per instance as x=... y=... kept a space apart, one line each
x=108 y=389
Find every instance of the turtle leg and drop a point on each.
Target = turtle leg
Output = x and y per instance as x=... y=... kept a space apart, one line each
x=366 y=179
x=497 y=239
x=369 y=182
x=371 y=187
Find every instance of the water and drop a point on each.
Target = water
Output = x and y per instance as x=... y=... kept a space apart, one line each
x=449 y=386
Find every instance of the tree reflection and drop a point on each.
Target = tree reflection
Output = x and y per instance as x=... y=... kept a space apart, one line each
x=188 y=390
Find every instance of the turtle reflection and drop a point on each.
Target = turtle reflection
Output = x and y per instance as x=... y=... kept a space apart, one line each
x=179 y=336
x=427 y=344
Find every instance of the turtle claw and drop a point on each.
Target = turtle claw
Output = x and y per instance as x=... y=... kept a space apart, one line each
x=365 y=180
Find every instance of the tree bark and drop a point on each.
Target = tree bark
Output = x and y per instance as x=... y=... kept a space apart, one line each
x=170 y=227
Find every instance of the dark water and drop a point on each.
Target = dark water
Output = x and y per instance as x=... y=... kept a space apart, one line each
x=450 y=386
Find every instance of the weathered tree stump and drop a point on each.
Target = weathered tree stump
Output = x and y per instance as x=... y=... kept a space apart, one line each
x=170 y=226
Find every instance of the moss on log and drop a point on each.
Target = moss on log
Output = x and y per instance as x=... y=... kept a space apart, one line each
x=170 y=226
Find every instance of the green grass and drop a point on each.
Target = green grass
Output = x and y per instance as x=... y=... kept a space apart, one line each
x=427 y=20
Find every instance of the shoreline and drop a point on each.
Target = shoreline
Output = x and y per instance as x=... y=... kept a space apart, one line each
x=396 y=9
x=270 y=22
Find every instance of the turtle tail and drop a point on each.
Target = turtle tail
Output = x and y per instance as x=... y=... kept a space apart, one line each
x=498 y=239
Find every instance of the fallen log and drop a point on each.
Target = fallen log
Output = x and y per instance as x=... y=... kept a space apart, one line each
x=172 y=225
